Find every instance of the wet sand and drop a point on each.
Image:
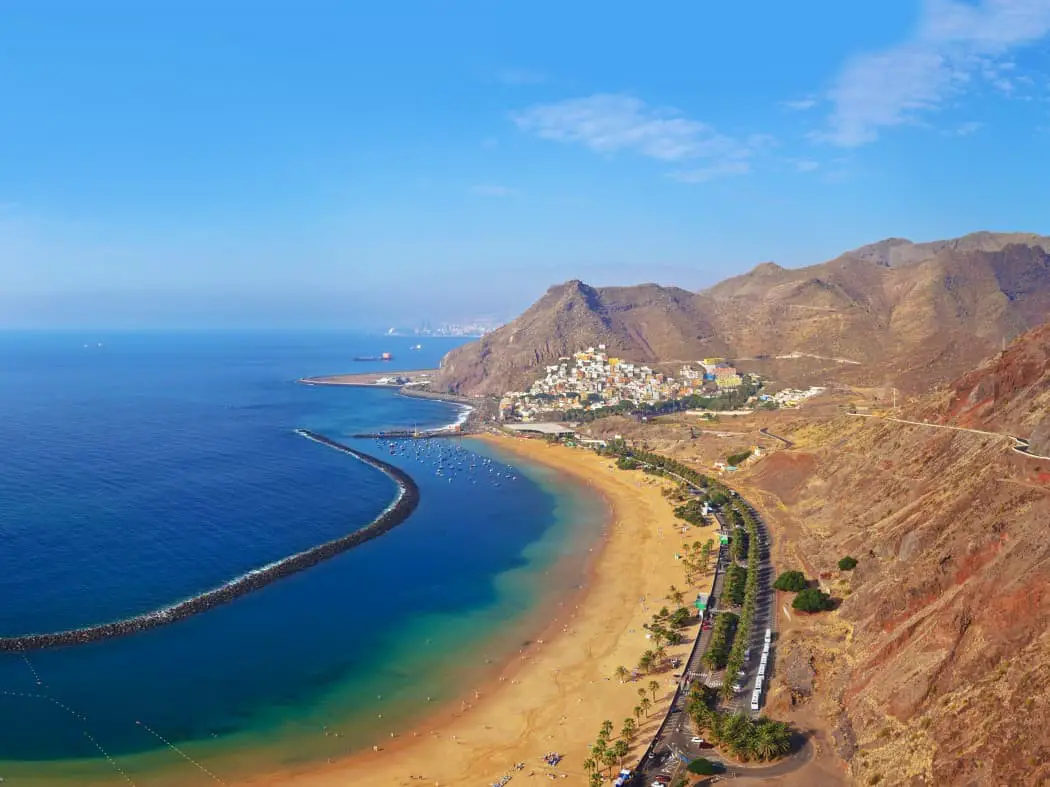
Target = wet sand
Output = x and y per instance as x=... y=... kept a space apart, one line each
x=556 y=694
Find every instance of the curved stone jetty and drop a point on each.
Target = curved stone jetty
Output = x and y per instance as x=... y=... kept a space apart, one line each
x=403 y=505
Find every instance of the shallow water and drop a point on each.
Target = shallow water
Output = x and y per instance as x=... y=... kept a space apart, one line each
x=157 y=466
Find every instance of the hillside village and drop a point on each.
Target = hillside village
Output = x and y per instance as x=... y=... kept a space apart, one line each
x=592 y=380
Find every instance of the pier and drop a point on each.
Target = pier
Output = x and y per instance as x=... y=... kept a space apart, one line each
x=397 y=512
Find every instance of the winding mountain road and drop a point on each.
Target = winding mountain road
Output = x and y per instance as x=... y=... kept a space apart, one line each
x=1020 y=444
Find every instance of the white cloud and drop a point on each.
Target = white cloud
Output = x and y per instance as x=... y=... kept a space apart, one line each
x=614 y=123
x=805 y=165
x=492 y=190
x=800 y=104
x=955 y=42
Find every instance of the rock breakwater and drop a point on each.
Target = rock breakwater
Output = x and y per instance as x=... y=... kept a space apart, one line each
x=397 y=512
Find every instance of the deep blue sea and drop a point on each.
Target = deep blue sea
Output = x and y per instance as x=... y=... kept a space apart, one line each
x=140 y=469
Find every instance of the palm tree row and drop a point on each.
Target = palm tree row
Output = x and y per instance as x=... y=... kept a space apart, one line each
x=721 y=640
x=735 y=661
x=606 y=754
x=696 y=559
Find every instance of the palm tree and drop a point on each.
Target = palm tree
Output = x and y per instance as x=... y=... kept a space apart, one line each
x=620 y=750
x=590 y=765
x=658 y=656
x=607 y=728
x=610 y=758
x=638 y=711
x=629 y=730
x=641 y=692
x=763 y=744
x=596 y=780
x=653 y=688
x=645 y=663
x=779 y=736
x=622 y=673
x=645 y=705
x=737 y=731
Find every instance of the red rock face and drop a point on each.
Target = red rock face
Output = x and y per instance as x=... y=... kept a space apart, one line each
x=1008 y=393
x=948 y=662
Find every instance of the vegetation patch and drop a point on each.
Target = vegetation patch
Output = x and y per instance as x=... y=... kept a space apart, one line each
x=812 y=600
x=734 y=460
x=791 y=581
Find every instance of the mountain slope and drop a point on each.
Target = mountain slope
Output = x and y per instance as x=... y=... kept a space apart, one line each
x=1009 y=393
x=914 y=314
x=645 y=323
x=934 y=670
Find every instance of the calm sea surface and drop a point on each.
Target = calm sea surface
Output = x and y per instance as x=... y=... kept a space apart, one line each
x=140 y=469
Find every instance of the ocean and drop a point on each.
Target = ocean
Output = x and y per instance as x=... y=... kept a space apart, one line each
x=140 y=469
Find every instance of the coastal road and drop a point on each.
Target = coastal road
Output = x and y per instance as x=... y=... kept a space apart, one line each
x=675 y=735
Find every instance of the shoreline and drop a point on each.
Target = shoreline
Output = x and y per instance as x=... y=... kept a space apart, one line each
x=554 y=695
x=412 y=389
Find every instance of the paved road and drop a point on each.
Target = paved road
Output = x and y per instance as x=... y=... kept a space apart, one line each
x=676 y=733
x=1020 y=444
x=765 y=431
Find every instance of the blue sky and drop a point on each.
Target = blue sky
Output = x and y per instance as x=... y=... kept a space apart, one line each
x=357 y=163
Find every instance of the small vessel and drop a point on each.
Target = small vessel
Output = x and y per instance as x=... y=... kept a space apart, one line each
x=383 y=357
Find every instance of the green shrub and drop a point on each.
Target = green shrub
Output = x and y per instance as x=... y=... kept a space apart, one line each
x=792 y=581
x=847 y=563
x=735 y=460
x=812 y=600
x=702 y=767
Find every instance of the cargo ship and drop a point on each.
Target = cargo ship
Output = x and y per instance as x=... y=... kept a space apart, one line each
x=383 y=357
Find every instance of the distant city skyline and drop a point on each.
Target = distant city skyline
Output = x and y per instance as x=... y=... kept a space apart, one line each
x=192 y=165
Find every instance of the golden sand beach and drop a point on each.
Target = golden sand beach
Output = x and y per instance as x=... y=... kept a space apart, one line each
x=555 y=697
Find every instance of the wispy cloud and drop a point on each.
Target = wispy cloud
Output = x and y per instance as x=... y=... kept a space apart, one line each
x=964 y=129
x=719 y=169
x=492 y=190
x=800 y=104
x=804 y=164
x=955 y=44
x=521 y=76
x=614 y=123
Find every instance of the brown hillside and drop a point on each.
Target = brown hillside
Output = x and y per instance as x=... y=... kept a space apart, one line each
x=916 y=315
x=934 y=669
x=1009 y=393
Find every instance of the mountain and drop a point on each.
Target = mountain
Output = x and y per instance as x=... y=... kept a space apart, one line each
x=1009 y=393
x=935 y=668
x=912 y=314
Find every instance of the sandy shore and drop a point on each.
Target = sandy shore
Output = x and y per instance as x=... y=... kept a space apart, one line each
x=556 y=696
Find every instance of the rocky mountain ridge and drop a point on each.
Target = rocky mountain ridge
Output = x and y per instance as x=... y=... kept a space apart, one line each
x=913 y=315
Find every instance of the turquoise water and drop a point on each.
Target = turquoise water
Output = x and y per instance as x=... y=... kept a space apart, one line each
x=156 y=466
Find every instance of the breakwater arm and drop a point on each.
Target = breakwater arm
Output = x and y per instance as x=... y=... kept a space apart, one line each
x=397 y=512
